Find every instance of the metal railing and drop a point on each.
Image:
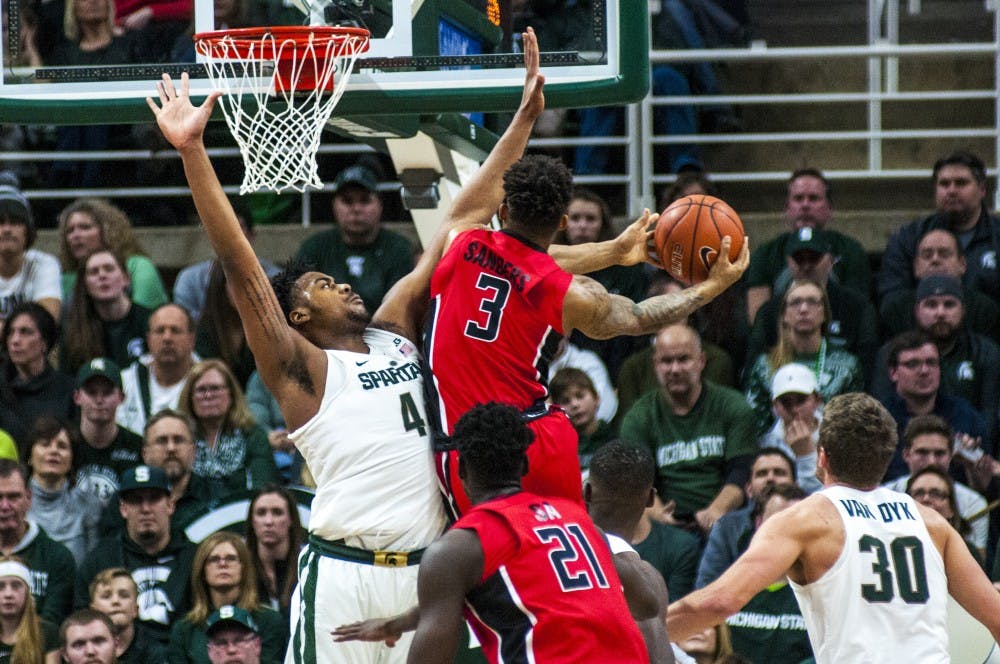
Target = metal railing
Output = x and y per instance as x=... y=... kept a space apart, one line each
x=882 y=52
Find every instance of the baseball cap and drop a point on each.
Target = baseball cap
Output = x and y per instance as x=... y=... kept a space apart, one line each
x=939 y=284
x=143 y=477
x=357 y=175
x=99 y=366
x=793 y=378
x=812 y=239
x=230 y=614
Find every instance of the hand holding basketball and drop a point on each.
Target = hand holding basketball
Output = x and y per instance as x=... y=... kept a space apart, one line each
x=689 y=238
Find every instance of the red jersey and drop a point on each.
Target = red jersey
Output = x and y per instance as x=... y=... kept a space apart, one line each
x=496 y=320
x=549 y=591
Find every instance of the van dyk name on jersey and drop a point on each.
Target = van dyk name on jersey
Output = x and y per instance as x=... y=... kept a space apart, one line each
x=394 y=375
x=484 y=257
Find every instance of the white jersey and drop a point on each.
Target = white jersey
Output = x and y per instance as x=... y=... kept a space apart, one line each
x=368 y=448
x=38 y=279
x=885 y=599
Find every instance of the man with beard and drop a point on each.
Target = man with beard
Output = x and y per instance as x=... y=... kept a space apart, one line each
x=159 y=559
x=154 y=381
x=959 y=195
x=169 y=444
x=915 y=371
x=939 y=252
x=970 y=362
x=701 y=434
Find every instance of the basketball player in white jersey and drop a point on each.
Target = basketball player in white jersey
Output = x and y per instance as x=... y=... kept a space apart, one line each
x=350 y=388
x=871 y=568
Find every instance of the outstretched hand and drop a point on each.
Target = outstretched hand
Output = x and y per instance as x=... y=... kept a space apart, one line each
x=375 y=629
x=635 y=244
x=533 y=97
x=182 y=123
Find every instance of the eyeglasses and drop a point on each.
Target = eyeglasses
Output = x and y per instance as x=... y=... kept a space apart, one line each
x=936 y=494
x=231 y=559
x=210 y=389
x=811 y=302
x=930 y=363
x=222 y=644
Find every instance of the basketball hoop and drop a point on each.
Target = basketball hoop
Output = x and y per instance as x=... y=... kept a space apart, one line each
x=280 y=85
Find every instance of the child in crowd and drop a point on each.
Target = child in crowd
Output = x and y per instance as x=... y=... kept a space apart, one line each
x=572 y=390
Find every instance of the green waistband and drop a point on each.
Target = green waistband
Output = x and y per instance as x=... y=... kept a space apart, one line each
x=341 y=551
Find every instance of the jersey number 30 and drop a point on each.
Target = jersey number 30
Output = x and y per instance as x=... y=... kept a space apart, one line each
x=907 y=573
x=572 y=557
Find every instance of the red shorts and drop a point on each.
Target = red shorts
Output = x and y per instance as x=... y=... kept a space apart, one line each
x=553 y=464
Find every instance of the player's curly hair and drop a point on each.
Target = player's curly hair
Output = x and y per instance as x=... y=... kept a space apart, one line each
x=492 y=439
x=284 y=282
x=537 y=190
x=623 y=468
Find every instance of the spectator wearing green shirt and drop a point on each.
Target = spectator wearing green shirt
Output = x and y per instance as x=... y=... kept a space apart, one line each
x=700 y=434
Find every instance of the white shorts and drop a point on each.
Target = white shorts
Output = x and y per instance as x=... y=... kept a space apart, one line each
x=333 y=592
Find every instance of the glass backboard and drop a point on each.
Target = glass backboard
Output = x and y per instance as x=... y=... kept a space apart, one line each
x=426 y=56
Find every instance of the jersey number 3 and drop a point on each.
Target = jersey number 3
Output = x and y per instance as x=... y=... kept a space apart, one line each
x=572 y=557
x=907 y=573
x=492 y=305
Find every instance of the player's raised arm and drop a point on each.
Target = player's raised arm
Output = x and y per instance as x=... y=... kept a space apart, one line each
x=404 y=305
x=274 y=344
x=590 y=308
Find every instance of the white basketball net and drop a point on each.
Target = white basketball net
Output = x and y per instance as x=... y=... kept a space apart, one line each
x=276 y=124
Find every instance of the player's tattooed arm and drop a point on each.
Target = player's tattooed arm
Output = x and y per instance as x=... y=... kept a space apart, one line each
x=599 y=314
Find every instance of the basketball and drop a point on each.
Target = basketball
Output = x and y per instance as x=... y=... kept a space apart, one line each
x=689 y=233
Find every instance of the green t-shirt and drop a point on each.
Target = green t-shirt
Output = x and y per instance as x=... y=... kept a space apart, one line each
x=770 y=628
x=588 y=444
x=675 y=555
x=693 y=451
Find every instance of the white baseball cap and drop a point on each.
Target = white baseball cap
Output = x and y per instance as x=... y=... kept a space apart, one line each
x=793 y=378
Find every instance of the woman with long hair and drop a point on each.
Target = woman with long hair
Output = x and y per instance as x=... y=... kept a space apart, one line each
x=220 y=333
x=68 y=514
x=89 y=224
x=103 y=320
x=29 y=386
x=802 y=326
x=223 y=573
x=24 y=637
x=274 y=537
x=230 y=445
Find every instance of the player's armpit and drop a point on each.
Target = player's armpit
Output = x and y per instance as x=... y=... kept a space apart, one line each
x=450 y=567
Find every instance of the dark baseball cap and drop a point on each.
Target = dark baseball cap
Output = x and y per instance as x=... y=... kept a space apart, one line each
x=939 y=284
x=99 y=366
x=143 y=477
x=361 y=176
x=229 y=614
x=811 y=239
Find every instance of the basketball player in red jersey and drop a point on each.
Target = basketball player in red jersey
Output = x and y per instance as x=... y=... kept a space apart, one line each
x=500 y=304
x=533 y=576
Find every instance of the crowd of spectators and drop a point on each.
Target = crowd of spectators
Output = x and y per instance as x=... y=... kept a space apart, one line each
x=128 y=409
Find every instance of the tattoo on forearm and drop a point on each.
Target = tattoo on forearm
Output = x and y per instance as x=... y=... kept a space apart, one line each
x=655 y=312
